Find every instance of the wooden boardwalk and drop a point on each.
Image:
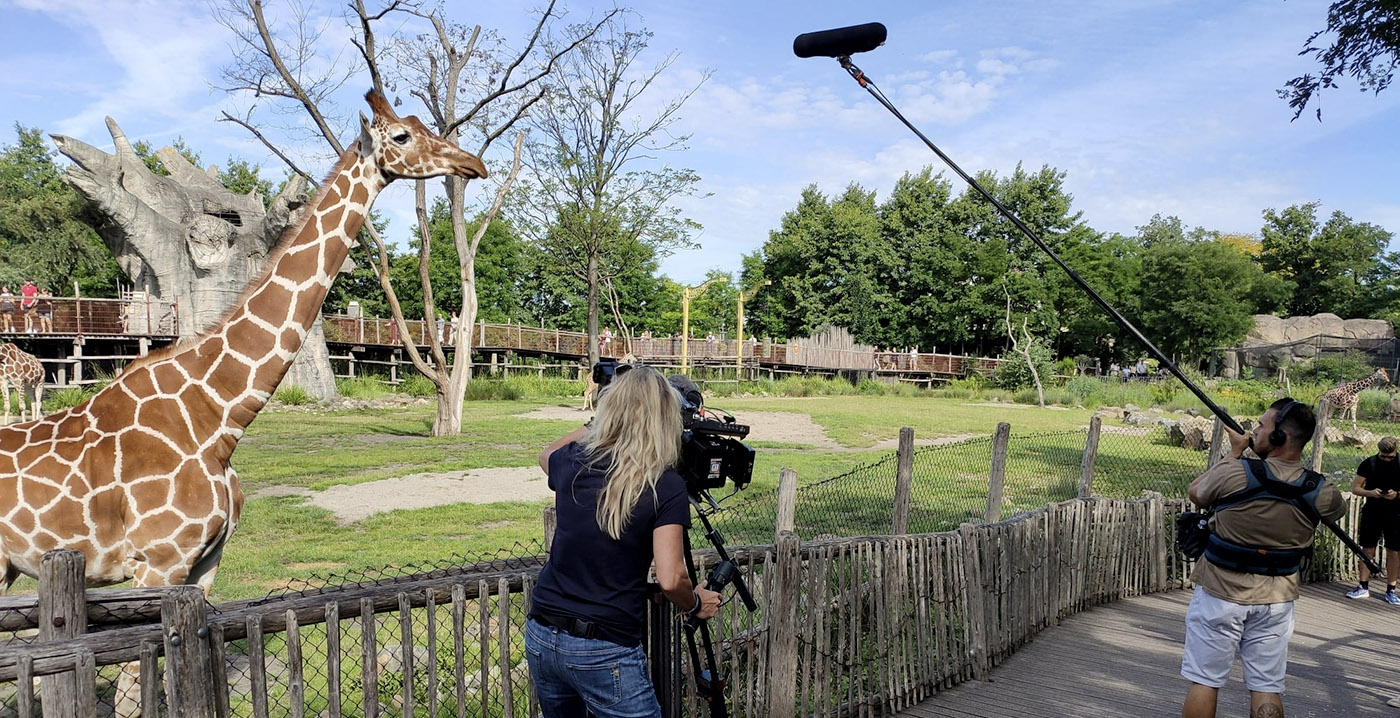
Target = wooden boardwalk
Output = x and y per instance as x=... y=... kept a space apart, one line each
x=1124 y=658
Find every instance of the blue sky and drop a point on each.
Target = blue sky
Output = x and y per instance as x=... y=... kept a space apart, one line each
x=1148 y=106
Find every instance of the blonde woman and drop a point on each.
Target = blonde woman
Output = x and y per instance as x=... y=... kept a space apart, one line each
x=620 y=504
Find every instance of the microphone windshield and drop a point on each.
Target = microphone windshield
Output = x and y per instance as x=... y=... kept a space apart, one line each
x=841 y=41
x=689 y=390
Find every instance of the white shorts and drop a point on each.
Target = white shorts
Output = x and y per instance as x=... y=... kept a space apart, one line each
x=1218 y=630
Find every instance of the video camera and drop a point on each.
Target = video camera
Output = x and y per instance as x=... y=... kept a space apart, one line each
x=712 y=451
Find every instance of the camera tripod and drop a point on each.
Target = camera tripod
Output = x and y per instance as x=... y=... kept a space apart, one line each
x=709 y=681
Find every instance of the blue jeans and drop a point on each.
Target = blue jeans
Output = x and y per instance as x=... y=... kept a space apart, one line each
x=574 y=676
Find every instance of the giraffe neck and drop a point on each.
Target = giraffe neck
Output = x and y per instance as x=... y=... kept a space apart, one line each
x=242 y=359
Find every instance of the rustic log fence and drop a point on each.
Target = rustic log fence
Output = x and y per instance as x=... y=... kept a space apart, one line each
x=847 y=625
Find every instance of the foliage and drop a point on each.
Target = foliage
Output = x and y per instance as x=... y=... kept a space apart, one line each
x=1334 y=370
x=43 y=235
x=66 y=397
x=1190 y=296
x=415 y=384
x=1338 y=266
x=361 y=387
x=293 y=395
x=1083 y=387
x=1014 y=373
x=1365 y=36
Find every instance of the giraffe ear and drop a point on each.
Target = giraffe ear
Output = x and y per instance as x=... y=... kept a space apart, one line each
x=366 y=137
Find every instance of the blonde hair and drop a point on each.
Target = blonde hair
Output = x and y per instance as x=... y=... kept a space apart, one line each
x=637 y=433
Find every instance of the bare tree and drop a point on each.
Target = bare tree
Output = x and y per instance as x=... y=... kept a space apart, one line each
x=595 y=188
x=471 y=84
x=1023 y=347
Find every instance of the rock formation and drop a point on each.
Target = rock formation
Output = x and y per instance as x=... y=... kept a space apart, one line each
x=187 y=239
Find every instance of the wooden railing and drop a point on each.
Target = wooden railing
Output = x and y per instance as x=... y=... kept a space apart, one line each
x=844 y=626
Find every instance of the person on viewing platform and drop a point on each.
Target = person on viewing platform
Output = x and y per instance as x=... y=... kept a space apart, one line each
x=44 y=308
x=29 y=296
x=1378 y=481
x=1247 y=580
x=7 y=309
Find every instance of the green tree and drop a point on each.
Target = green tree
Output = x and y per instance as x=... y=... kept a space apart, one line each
x=148 y=155
x=42 y=232
x=1337 y=266
x=1195 y=296
x=829 y=265
x=1365 y=36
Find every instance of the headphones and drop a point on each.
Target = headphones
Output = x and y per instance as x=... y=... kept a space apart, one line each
x=1278 y=437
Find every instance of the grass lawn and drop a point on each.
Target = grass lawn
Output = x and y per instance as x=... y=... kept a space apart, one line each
x=283 y=539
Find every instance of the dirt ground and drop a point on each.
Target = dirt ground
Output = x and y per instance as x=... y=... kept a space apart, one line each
x=420 y=491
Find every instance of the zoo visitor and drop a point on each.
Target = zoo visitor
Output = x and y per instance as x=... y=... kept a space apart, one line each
x=619 y=504
x=1377 y=480
x=1247 y=580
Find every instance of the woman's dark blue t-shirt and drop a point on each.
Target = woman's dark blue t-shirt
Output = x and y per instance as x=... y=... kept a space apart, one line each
x=589 y=574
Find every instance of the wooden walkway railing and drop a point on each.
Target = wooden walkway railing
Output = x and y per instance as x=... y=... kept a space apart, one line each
x=845 y=626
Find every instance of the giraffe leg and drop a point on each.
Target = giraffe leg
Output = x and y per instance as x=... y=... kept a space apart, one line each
x=38 y=404
x=5 y=389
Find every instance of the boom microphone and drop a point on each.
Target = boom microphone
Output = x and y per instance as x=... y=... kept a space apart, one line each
x=840 y=42
x=687 y=388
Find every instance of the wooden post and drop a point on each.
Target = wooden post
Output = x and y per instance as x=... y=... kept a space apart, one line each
x=782 y=612
x=551 y=522
x=903 y=481
x=974 y=595
x=1319 y=439
x=787 y=503
x=1091 y=452
x=62 y=614
x=182 y=616
x=998 y=475
x=1218 y=445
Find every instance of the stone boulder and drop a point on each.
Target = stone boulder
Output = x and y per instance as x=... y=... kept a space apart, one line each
x=1192 y=432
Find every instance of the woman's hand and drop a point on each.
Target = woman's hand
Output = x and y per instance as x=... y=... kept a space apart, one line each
x=709 y=601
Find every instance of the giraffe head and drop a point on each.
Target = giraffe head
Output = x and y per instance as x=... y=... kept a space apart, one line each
x=1382 y=376
x=406 y=148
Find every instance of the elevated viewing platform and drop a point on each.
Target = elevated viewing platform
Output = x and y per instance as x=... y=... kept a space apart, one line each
x=1124 y=658
x=87 y=336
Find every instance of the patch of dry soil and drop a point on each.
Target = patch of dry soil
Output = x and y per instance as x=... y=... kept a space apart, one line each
x=420 y=491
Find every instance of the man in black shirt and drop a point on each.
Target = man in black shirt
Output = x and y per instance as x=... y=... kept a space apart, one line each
x=1378 y=480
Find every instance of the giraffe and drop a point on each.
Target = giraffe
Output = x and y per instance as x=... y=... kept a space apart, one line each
x=24 y=372
x=1347 y=396
x=138 y=477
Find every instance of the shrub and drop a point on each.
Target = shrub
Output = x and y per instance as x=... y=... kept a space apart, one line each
x=1334 y=370
x=293 y=395
x=361 y=387
x=66 y=397
x=415 y=384
x=1083 y=387
x=489 y=389
x=1014 y=373
x=1164 y=390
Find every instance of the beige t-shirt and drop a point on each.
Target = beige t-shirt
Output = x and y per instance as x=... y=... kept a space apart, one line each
x=1263 y=522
